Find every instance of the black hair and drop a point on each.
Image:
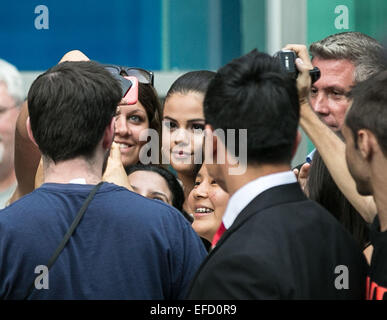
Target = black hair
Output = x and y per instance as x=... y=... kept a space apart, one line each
x=253 y=93
x=173 y=185
x=369 y=108
x=195 y=81
x=321 y=188
x=70 y=106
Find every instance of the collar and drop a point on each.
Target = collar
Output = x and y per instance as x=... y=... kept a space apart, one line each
x=78 y=181
x=243 y=196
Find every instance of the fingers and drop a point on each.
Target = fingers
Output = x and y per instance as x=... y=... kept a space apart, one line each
x=302 y=53
x=304 y=172
x=115 y=152
x=74 y=55
x=296 y=172
x=303 y=64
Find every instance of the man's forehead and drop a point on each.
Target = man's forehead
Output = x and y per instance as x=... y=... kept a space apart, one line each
x=338 y=73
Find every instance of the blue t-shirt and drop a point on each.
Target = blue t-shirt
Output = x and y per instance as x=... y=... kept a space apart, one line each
x=125 y=247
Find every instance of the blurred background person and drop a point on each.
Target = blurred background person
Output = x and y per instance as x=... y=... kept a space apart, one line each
x=11 y=97
x=182 y=125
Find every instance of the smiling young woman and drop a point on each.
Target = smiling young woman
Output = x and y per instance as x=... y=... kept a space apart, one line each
x=208 y=202
x=133 y=119
x=183 y=125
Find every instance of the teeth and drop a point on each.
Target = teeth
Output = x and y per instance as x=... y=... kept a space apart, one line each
x=122 y=145
x=203 y=210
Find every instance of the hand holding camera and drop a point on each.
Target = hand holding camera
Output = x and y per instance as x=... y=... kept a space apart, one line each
x=302 y=69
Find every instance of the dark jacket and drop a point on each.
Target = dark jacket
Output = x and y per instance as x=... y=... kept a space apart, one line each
x=282 y=246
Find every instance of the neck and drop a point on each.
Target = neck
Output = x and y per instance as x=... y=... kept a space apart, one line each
x=253 y=172
x=7 y=180
x=65 y=171
x=379 y=187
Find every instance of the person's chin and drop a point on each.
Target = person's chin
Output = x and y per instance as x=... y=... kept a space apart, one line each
x=129 y=159
x=181 y=166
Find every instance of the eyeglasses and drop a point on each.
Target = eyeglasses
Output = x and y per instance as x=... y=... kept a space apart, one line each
x=142 y=75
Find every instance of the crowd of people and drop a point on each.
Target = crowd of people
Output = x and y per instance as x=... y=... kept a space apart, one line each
x=123 y=200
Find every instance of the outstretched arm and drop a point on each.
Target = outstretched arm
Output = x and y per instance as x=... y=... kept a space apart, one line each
x=329 y=145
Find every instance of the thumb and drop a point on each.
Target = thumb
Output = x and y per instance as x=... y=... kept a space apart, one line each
x=304 y=172
x=115 y=152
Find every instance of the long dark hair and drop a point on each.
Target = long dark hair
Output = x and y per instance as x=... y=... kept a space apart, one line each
x=322 y=189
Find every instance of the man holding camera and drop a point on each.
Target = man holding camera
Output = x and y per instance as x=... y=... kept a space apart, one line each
x=344 y=60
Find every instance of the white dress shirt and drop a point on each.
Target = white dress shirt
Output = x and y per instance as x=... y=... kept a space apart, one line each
x=243 y=196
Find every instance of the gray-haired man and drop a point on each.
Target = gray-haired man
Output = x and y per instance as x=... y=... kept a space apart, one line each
x=11 y=97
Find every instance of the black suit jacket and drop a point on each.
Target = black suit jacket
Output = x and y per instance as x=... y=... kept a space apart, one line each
x=282 y=246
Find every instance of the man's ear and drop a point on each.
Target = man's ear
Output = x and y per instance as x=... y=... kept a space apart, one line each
x=29 y=131
x=108 y=136
x=364 y=142
x=296 y=143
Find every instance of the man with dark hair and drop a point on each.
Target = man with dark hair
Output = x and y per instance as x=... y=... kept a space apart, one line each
x=124 y=246
x=365 y=133
x=277 y=244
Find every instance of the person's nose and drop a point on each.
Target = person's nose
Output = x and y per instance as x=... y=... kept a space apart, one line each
x=122 y=128
x=181 y=137
x=320 y=104
x=201 y=191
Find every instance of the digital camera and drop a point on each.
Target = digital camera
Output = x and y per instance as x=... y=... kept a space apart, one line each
x=287 y=60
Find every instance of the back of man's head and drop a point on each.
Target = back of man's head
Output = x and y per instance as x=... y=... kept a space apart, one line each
x=13 y=80
x=252 y=93
x=70 y=106
x=363 y=51
x=369 y=109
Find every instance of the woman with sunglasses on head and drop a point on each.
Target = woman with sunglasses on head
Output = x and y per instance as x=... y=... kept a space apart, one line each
x=183 y=122
x=132 y=119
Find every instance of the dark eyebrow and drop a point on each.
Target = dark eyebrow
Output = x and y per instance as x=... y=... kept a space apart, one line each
x=133 y=112
x=189 y=121
x=169 y=118
x=196 y=120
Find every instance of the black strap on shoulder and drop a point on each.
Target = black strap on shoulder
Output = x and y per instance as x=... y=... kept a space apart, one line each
x=68 y=234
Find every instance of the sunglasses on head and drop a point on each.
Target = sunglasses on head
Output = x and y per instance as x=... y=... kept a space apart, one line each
x=142 y=75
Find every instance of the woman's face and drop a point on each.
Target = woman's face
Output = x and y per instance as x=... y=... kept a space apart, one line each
x=183 y=122
x=150 y=185
x=207 y=202
x=131 y=120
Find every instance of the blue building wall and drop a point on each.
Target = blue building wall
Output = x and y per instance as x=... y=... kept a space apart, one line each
x=119 y=31
x=126 y=32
